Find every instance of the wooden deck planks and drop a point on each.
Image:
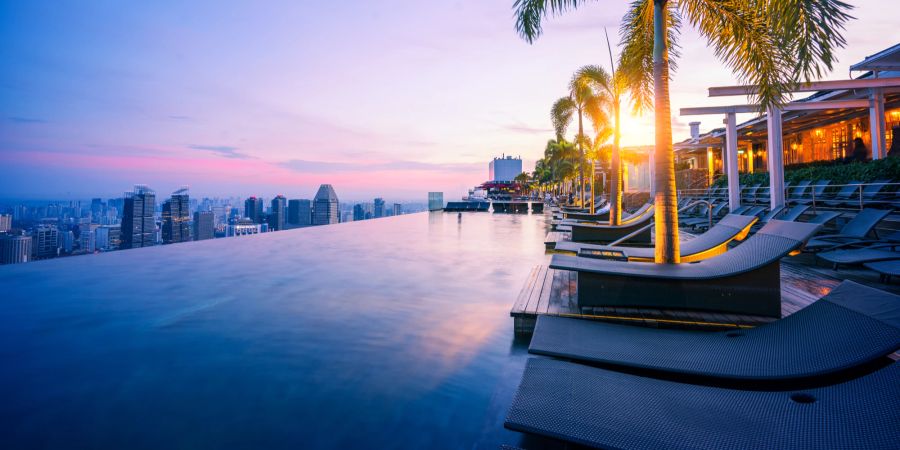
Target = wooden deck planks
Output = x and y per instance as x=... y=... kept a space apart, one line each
x=554 y=292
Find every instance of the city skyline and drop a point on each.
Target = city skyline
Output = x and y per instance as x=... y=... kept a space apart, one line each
x=237 y=99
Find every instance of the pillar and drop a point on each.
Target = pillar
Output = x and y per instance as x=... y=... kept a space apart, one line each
x=731 y=162
x=775 y=158
x=876 y=123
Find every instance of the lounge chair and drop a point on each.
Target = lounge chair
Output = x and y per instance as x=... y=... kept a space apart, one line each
x=704 y=220
x=582 y=232
x=817 y=193
x=855 y=230
x=844 y=194
x=743 y=280
x=606 y=409
x=713 y=242
x=754 y=211
x=599 y=214
x=861 y=252
x=798 y=191
x=851 y=326
x=762 y=195
x=749 y=193
x=885 y=269
x=823 y=218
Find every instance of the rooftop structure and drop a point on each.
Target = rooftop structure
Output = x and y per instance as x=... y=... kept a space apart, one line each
x=504 y=169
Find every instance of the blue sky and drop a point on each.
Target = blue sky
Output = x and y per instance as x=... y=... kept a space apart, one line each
x=379 y=98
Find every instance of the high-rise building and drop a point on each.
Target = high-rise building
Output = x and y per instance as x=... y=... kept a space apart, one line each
x=108 y=237
x=325 y=208
x=14 y=248
x=243 y=227
x=176 y=218
x=45 y=241
x=253 y=210
x=5 y=223
x=87 y=240
x=359 y=213
x=379 y=207
x=398 y=209
x=505 y=168
x=277 y=217
x=138 y=223
x=300 y=213
x=435 y=201
x=97 y=208
x=204 y=225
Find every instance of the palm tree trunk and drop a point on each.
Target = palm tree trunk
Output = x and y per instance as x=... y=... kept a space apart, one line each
x=666 y=217
x=581 y=150
x=615 y=199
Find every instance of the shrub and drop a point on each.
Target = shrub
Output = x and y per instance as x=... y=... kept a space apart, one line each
x=836 y=172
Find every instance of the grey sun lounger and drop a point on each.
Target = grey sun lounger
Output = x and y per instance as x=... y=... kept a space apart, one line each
x=886 y=269
x=743 y=280
x=600 y=214
x=607 y=233
x=709 y=244
x=855 y=230
x=844 y=194
x=606 y=409
x=817 y=192
x=851 y=326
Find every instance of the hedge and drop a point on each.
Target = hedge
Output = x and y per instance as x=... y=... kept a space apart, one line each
x=837 y=173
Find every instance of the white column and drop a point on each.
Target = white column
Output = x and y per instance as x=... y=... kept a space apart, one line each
x=731 y=162
x=776 y=158
x=876 y=123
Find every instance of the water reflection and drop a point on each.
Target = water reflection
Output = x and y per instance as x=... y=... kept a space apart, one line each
x=391 y=333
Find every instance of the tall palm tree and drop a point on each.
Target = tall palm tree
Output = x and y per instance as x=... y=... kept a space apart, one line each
x=773 y=44
x=581 y=102
x=611 y=86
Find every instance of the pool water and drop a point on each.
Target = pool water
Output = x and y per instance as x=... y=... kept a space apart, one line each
x=388 y=333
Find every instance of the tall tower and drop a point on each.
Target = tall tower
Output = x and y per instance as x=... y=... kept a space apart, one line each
x=204 y=225
x=379 y=207
x=176 y=218
x=138 y=224
x=325 y=208
x=277 y=219
x=253 y=209
x=14 y=248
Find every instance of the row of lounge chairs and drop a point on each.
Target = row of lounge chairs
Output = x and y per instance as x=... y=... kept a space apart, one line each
x=851 y=194
x=820 y=378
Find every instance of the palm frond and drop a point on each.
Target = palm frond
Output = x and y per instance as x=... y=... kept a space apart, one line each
x=810 y=31
x=561 y=115
x=530 y=13
x=636 y=59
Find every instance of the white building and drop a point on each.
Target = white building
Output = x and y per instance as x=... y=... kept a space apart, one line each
x=505 y=168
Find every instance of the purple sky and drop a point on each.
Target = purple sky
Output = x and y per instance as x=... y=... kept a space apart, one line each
x=378 y=98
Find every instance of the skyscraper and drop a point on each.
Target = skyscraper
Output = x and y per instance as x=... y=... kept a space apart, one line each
x=87 y=240
x=359 y=213
x=204 y=225
x=398 y=209
x=325 y=209
x=14 y=248
x=253 y=210
x=302 y=213
x=108 y=237
x=379 y=207
x=277 y=218
x=138 y=224
x=5 y=222
x=176 y=218
x=45 y=241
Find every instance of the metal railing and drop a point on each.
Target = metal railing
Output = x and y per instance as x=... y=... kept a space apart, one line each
x=882 y=194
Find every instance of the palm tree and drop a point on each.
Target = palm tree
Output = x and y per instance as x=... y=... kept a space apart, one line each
x=773 y=44
x=612 y=86
x=582 y=102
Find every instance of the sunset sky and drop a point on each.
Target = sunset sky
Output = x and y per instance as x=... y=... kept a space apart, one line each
x=388 y=98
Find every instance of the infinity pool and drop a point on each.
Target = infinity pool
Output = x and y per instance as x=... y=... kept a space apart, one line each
x=389 y=333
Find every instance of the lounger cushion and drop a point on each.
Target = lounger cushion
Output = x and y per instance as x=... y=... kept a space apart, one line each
x=858 y=255
x=606 y=409
x=852 y=325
